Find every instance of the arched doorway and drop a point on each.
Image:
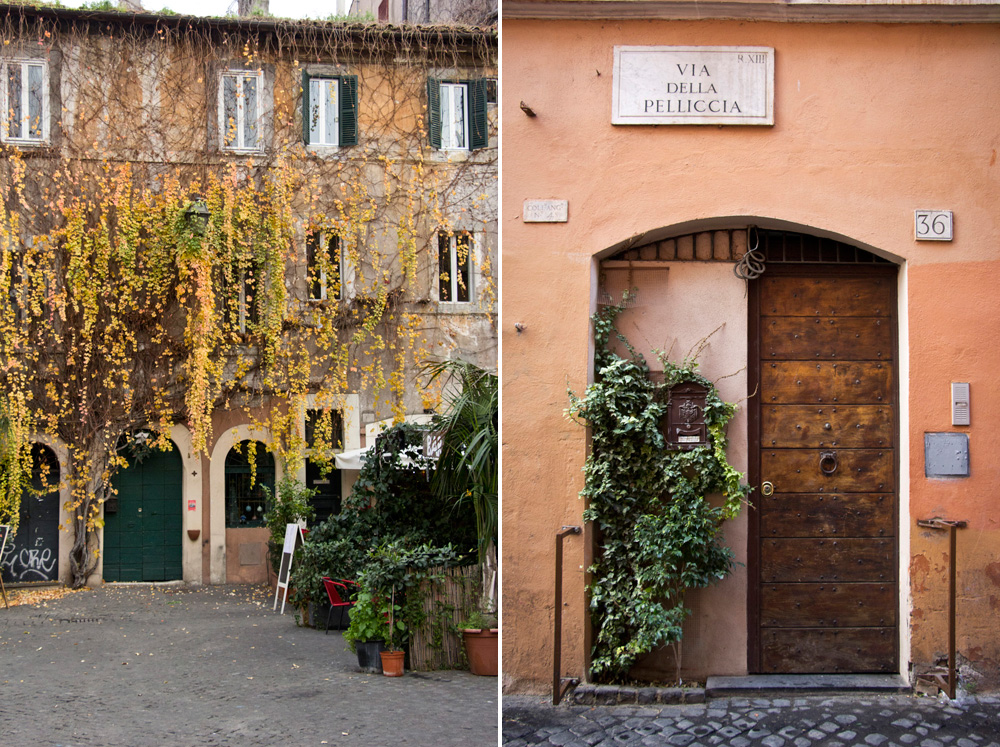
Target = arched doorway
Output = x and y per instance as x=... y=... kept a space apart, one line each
x=142 y=529
x=819 y=324
x=33 y=554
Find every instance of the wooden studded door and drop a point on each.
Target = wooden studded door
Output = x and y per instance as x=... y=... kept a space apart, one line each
x=824 y=463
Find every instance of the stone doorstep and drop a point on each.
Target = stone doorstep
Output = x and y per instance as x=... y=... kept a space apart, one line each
x=585 y=694
x=796 y=684
x=721 y=687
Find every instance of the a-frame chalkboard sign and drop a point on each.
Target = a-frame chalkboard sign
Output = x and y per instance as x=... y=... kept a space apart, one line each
x=295 y=536
x=4 y=534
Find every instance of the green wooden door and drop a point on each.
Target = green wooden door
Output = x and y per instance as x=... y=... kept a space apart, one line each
x=142 y=539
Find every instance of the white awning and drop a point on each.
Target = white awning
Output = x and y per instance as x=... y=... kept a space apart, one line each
x=353 y=459
x=356 y=458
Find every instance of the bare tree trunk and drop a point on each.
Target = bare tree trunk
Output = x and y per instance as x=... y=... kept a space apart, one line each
x=88 y=480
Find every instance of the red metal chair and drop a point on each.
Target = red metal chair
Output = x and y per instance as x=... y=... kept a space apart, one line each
x=337 y=593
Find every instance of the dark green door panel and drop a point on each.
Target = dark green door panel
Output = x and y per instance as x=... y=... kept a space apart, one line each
x=142 y=539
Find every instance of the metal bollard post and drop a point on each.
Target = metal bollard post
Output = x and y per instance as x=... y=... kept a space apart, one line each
x=558 y=685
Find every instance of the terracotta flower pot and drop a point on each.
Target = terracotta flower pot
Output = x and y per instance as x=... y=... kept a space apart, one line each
x=481 y=647
x=392 y=663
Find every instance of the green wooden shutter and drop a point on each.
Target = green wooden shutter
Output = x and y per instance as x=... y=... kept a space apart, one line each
x=434 y=112
x=479 y=133
x=348 y=100
x=305 y=107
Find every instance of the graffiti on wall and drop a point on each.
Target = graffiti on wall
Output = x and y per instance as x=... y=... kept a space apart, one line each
x=21 y=564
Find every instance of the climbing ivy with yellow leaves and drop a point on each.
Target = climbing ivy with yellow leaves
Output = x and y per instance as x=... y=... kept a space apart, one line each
x=143 y=290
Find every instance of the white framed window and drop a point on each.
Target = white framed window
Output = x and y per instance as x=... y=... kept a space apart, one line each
x=454 y=116
x=240 y=110
x=325 y=266
x=455 y=263
x=457 y=116
x=324 y=111
x=329 y=109
x=26 y=100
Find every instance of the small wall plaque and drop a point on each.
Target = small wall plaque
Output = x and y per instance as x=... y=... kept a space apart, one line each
x=932 y=225
x=546 y=211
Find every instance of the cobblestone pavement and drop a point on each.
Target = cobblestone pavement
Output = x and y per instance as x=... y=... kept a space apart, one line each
x=173 y=665
x=841 y=721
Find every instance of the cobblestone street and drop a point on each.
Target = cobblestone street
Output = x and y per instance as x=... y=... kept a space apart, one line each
x=841 y=721
x=139 y=665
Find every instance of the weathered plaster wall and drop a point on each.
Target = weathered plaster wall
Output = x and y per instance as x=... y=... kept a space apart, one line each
x=871 y=123
x=675 y=315
x=955 y=310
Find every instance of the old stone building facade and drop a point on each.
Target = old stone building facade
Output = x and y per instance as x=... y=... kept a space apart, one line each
x=238 y=232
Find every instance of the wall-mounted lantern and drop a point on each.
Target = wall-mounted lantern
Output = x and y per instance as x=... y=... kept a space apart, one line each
x=197 y=216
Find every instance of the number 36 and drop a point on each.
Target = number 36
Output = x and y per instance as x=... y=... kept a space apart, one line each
x=933 y=225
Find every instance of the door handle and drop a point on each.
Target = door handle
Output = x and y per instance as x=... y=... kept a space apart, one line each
x=828 y=462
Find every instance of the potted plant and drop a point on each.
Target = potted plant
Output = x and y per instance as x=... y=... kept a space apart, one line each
x=467 y=474
x=390 y=580
x=366 y=633
x=481 y=637
x=393 y=655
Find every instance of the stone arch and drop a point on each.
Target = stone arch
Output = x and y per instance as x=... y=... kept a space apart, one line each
x=217 y=493
x=32 y=555
x=685 y=276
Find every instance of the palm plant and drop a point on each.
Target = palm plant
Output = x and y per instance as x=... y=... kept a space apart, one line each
x=467 y=469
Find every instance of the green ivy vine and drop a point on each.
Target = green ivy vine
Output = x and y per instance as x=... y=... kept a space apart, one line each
x=658 y=534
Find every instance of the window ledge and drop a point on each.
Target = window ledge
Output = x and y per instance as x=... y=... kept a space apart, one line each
x=26 y=143
x=457 y=307
x=242 y=151
x=325 y=149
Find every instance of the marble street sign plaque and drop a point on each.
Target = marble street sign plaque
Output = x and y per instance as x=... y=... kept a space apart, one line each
x=693 y=86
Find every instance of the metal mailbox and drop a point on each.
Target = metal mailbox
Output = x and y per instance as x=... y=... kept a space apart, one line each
x=686 y=427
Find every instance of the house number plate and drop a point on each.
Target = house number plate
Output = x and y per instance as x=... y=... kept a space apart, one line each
x=932 y=225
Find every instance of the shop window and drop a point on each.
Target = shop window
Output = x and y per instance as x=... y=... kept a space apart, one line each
x=454 y=267
x=26 y=100
x=330 y=110
x=240 y=110
x=456 y=113
x=249 y=469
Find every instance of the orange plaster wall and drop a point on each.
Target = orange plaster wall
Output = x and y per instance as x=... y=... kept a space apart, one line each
x=955 y=309
x=871 y=123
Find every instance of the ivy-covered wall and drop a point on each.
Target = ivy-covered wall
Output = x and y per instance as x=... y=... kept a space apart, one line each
x=153 y=276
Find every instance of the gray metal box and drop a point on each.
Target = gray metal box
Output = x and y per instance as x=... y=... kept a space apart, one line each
x=946 y=455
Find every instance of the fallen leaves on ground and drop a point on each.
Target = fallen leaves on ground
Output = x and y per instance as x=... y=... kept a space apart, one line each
x=17 y=597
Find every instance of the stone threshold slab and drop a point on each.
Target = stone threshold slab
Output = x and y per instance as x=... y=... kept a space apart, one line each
x=792 y=684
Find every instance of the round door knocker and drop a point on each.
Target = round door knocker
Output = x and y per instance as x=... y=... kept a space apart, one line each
x=828 y=462
x=767 y=489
